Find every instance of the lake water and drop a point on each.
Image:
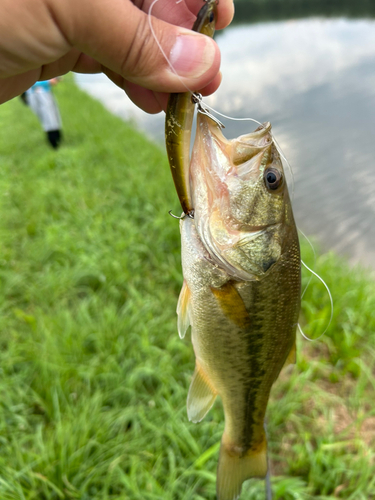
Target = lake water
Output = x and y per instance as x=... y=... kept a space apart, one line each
x=314 y=79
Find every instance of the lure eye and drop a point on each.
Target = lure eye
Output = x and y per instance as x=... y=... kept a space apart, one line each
x=273 y=179
x=211 y=18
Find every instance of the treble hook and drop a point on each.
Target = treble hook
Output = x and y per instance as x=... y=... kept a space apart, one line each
x=197 y=98
x=182 y=217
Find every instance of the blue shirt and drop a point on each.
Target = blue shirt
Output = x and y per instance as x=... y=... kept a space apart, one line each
x=43 y=85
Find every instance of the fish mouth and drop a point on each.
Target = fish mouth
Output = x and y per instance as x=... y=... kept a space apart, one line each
x=231 y=201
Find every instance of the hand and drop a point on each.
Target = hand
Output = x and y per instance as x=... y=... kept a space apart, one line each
x=42 y=39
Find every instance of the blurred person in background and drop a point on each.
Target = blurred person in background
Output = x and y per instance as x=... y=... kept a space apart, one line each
x=42 y=102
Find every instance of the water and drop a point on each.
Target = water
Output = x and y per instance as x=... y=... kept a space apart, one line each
x=314 y=79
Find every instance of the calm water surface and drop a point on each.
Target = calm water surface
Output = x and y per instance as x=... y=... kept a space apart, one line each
x=314 y=79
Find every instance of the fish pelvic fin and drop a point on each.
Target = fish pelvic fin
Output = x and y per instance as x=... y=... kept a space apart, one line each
x=236 y=467
x=201 y=395
x=183 y=310
x=292 y=356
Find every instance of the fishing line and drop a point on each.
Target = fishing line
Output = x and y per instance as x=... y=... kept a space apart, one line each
x=303 y=234
x=231 y=117
x=149 y=18
x=192 y=93
x=309 y=242
x=278 y=147
x=307 y=285
x=330 y=298
x=215 y=111
x=313 y=250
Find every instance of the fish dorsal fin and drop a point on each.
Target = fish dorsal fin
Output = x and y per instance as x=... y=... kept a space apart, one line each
x=201 y=395
x=292 y=356
x=183 y=310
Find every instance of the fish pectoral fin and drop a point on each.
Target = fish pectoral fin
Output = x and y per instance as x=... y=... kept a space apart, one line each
x=234 y=468
x=201 y=396
x=232 y=304
x=183 y=310
x=292 y=356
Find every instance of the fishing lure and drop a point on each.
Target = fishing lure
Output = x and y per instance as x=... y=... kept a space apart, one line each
x=179 y=119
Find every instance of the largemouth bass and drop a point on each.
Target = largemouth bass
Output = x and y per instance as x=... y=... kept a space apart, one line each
x=241 y=291
x=179 y=119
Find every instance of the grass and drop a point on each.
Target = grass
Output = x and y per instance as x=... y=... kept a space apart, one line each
x=93 y=376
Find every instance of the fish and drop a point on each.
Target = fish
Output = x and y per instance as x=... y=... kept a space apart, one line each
x=179 y=118
x=241 y=292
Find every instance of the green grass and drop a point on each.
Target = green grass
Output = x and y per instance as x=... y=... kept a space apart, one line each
x=93 y=376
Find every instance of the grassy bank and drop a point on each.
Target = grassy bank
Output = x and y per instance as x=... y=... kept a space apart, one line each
x=93 y=376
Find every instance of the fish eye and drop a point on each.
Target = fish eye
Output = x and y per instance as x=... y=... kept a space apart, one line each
x=273 y=179
x=211 y=18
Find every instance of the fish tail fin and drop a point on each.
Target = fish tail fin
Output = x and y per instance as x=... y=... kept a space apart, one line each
x=234 y=468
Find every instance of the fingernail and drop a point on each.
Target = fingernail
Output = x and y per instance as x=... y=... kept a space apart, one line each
x=192 y=55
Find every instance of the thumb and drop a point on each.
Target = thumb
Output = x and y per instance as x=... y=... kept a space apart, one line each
x=119 y=36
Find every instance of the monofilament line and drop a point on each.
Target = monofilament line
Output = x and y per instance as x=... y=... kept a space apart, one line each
x=313 y=250
x=330 y=298
x=149 y=18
